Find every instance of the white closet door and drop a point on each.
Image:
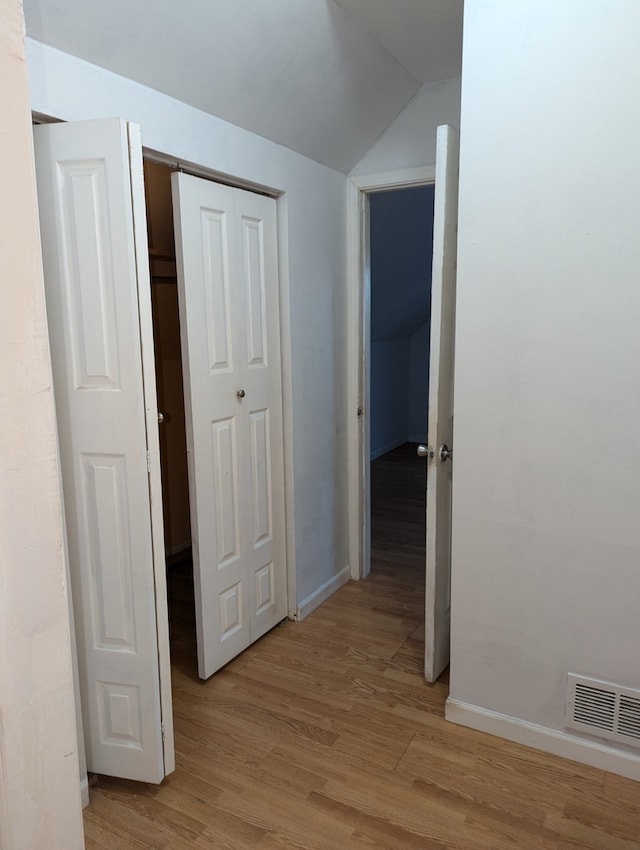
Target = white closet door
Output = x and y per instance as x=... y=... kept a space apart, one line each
x=226 y=247
x=440 y=427
x=86 y=213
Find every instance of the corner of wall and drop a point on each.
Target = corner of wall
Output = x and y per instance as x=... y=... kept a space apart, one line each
x=322 y=593
x=410 y=140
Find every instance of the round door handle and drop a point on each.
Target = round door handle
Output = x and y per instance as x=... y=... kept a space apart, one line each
x=160 y=418
x=240 y=394
x=445 y=453
x=422 y=451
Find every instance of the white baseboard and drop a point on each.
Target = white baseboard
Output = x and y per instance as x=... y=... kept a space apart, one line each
x=322 y=593
x=389 y=447
x=84 y=791
x=552 y=741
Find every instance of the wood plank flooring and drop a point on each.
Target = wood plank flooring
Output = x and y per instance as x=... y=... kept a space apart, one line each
x=325 y=735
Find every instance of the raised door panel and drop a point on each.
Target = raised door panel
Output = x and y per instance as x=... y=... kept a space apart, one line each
x=261 y=489
x=225 y=486
x=84 y=187
x=106 y=530
x=254 y=275
x=215 y=245
x=89 y=274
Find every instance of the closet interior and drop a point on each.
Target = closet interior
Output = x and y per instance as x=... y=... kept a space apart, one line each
x=171 y=418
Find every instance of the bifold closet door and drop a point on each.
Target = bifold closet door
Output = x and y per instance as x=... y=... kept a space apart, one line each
x=226 y=247
x=92 y=219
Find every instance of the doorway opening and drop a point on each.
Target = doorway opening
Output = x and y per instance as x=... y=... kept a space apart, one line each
x=439 y=451
x=400 y=258
x=382 y=331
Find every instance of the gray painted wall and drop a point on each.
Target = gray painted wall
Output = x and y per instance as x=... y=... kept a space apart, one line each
x=389 y=404
x=419 y=384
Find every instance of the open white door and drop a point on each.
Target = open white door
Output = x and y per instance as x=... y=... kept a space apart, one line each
x=440 y=427
x=98 y=305
x=226 y=247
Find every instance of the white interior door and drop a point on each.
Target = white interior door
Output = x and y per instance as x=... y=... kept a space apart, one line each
x=93 y=228
x=440 y=427
x=226 y=247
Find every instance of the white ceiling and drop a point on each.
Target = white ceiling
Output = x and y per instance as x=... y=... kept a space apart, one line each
x=322 y=77
x=425 y=36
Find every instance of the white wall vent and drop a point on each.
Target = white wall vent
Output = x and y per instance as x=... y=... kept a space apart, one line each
x=603 y=709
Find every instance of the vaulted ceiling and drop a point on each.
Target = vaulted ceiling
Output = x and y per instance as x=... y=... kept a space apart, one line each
x=322 y=77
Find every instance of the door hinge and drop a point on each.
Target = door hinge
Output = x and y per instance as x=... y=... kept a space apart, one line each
x=162 y=732
x=358 y=411
x=148 y=461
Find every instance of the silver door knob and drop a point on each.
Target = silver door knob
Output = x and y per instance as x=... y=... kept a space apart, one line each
x=445 y=453
x=423 y=451
x=240 y=394
x=160 y=418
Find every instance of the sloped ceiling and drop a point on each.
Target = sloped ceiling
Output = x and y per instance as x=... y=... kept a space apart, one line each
x=424 y=36
x=321 y=77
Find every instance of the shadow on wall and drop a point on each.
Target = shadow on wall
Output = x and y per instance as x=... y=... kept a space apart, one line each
x=401 y=248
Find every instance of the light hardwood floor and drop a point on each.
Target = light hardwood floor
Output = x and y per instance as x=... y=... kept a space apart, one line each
x=325 y=735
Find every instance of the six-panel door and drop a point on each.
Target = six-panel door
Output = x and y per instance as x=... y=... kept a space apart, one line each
x=91 y=280
x=229 y=316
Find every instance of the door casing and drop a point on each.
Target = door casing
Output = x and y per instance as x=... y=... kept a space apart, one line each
x=359 y=350
x=280 y=198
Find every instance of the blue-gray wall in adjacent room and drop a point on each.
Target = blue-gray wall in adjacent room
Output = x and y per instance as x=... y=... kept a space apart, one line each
x=401 y=247
x=389 y=364
x=401 y=240
x=419 y=384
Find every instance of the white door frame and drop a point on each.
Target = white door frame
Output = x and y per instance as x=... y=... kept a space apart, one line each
x=285 y=337
x=358 y=350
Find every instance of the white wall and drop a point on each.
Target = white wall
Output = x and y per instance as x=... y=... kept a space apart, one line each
x=312 y=274
x=389 y=402
x=410 y=141
x=546 y=538
x=39 y=789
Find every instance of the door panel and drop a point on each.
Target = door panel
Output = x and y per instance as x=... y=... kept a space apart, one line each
x=84 y=188
x=229 y=308
x=440 y=427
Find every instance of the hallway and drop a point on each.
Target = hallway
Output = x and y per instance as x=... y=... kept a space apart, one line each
x=325 y=735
